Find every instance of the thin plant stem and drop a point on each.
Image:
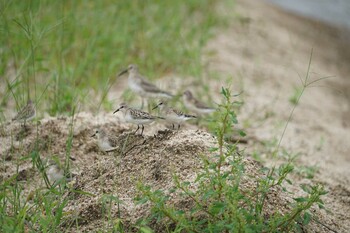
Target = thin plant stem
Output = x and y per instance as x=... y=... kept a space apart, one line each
x=295 y=105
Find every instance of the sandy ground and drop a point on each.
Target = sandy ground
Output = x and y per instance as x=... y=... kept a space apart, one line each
x=261 y=53
x=152 y=159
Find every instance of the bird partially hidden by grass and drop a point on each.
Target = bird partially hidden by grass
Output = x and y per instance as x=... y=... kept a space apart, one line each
x=172 y=115
x=106 y=142
x=27 y=113
x=136 y=116
x=55 y=173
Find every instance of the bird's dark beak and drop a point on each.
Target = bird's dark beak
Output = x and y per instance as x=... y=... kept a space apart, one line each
x=155 y=107
x=123 y=72
x=93 y=135
x=116 y=110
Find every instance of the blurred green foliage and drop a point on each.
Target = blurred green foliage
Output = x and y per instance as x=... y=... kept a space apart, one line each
x=58 y=51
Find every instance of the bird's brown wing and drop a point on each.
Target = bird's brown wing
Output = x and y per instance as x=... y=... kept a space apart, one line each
x=177 y=112
x=200 y=104
x=149 y=87
x=25 y=112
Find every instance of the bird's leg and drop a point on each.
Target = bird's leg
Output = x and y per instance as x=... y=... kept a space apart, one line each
x=149 y=105
x=197 y=121
x=173 y=126
x=25 y=127
x=142 y=103
x=142 y=129
x=138 y=126
x=178 y=126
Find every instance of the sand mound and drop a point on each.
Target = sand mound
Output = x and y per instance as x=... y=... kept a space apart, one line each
x=152 y=160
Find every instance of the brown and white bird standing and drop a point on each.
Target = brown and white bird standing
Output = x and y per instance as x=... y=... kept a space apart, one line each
x=136 y=116
x=139 y=85
x=172 y=115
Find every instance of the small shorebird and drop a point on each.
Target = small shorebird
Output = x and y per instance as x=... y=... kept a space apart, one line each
x=27 y=113
x=141 y=86
x=55 y=173
x=106 y=142
x=136 y=116
x=195 y=105
x=172 y=115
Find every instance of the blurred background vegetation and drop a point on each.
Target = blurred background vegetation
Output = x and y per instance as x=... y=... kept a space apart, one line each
x=60 y=52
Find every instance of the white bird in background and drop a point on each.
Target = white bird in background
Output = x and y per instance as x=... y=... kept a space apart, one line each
x=195 y=105
x=141 y=86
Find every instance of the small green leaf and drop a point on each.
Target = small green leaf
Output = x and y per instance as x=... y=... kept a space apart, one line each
x=208 y=194
x=323 y=192
x=320 y=201
x=224 y=91
x=289 y=181
x=218 y=207
x=158 y=192
x=83 y=192
x=213 y=149
x=300 y=199
x=146 y=229
x=172 y=190
x=186 y=183
x=307 y=188
x=180 y=212
x=307 y=218
x=233 y=117
x=142 y=201
x=242 y=133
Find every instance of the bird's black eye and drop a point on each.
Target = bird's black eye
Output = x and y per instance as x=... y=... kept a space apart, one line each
x=96 y=131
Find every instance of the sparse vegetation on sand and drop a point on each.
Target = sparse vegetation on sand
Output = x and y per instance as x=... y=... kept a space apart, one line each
x=66 y=54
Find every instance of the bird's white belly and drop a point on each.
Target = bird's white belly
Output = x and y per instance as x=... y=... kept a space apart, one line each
x=130 y=119
x=205 y=110
x=54 y=176
x=197 y=110
x=105 y=146
x=135 y=87
x=190 y=107
x=175 y=119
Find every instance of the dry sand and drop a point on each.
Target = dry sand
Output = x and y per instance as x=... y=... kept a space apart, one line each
x=264 y=52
